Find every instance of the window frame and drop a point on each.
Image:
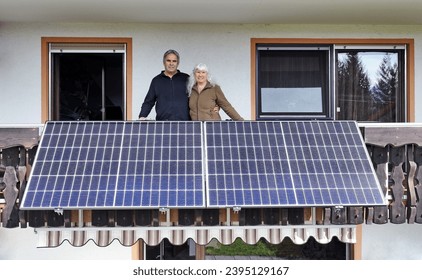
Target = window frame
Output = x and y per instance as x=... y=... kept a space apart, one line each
x=327 y=87
x=45 y=74
x=400 y=50
x=409 y=98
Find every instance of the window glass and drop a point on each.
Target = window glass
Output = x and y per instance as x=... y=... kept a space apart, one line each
x=292 y=100
x=87 y=80
x=293 y=82
x=369 y=85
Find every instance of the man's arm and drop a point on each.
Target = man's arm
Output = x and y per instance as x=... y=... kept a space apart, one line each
x=149 y=102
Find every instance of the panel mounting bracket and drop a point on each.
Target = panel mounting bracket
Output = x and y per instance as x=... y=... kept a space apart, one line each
x=236 y=209
x=163 y=210
x=338 y=208
x=58 y=211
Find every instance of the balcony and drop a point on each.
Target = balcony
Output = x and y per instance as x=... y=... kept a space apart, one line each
x=393 y=148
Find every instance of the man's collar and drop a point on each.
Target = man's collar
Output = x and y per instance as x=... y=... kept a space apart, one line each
x=164 y=73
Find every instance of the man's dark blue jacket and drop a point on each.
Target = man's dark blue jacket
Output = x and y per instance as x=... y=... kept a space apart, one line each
x=170 y=97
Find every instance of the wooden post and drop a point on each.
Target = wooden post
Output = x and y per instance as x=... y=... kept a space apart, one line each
x=138 y=250
x=199 y=252
x=356 y=248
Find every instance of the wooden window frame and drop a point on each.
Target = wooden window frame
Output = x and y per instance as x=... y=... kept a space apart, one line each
x=410 y=65
x=45 y=86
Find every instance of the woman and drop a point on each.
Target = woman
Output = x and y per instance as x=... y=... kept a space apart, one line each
x=205 y=95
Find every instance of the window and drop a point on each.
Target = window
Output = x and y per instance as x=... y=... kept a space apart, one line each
x=86 y=78
x=87 y=86
x=363 y=80
x=293 y=82
x=370 y=83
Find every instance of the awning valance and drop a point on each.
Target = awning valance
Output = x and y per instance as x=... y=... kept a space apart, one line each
x=48 y=237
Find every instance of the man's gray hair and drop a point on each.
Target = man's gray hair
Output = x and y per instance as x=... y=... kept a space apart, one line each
x=171 y=52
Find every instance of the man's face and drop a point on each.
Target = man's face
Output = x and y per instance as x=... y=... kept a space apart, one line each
x=170 y=64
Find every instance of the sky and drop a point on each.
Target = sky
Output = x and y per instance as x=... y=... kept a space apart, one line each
x=371 y=61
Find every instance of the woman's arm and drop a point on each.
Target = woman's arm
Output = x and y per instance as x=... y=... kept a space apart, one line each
x=226 y=106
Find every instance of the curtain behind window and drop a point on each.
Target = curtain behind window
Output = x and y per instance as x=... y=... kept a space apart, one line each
x=292 y=82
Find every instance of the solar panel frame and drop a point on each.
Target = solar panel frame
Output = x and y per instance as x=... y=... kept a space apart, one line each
x=281 y=166
x=117 y=165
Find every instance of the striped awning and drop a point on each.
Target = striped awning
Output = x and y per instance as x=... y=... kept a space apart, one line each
x=53 y=237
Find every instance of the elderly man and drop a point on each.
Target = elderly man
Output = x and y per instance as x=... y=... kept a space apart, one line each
x=168 y=92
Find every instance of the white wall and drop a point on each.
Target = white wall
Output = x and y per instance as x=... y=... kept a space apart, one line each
x=226 y=50
x=21 y=244
x=392 y=242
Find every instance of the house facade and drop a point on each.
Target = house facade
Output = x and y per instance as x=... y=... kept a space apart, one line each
x=231 y=51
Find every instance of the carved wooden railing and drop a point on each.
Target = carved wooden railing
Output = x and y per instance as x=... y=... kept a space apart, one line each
x=18 y=146
x=395 y=149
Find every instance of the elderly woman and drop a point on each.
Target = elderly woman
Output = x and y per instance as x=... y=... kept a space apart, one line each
x=205 y=95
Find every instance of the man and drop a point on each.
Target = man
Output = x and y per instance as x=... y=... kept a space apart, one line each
x=167 y=92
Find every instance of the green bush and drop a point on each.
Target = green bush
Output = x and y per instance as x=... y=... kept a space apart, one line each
x=240 y=248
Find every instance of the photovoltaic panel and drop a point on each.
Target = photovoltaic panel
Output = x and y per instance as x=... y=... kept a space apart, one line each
x=117 y=165
x=289 y=163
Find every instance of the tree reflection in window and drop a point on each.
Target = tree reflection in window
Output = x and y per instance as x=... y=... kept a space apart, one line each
x=369 y=86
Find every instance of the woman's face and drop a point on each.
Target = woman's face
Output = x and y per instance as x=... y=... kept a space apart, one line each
x=201 y=76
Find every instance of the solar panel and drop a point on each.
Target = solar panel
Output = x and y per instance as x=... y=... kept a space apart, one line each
x=99 y=165
x=289 y=163
x=102 y=165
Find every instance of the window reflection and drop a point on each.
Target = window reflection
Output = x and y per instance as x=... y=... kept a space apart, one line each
x=368 y=85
